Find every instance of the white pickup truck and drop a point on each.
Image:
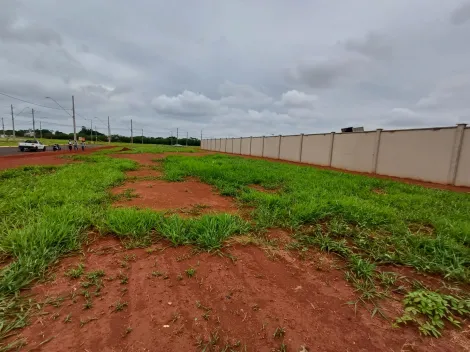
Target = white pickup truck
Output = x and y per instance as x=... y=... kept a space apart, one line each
x=31 y=145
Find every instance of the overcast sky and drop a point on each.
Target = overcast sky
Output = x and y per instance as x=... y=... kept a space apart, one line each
x=237 y=67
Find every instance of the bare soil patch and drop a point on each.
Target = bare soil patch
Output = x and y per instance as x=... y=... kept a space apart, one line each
x=262 y=189
x=379 y=191
x=143 y=158
x=237 y=302
x=41 y=158
x=143 y=173
x=177 y=196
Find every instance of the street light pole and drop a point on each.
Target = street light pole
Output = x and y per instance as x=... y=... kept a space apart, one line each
x=34 y=126
x=73 y=115
x=13 y=121
x=109 y=132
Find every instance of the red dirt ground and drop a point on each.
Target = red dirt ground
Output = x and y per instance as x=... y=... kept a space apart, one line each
x=162 y=195
x=244 y=295
x=143 y=173
x=188 y=197
x=246 y=299
x=40 y=158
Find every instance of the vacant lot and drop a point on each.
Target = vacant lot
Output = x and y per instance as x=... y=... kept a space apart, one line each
x=185 y=251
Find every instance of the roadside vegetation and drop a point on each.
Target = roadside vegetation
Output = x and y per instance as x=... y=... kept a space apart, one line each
x=145 y=148
x=46 y=212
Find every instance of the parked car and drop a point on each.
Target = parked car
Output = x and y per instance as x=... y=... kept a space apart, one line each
x=31 y=145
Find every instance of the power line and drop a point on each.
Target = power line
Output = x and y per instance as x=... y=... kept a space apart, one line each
x=25 y=101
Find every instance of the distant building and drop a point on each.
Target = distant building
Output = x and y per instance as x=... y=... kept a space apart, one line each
x=352 y=129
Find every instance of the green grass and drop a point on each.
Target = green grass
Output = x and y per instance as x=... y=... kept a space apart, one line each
x=139 y=227
x=45 y=212
x=382 y=227
x=147 y=148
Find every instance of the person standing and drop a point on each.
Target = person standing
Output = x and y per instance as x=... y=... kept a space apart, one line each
x=75 y=145
x=83 y=146
x=70 y=145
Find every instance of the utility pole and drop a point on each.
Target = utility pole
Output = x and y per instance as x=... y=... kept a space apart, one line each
x=109 y=132
x=176 y=136
x=40 y=128
x=187 y=134
x=91 y=131
x=132 y=134
x=73 y=117
x=3 y=128
x=34 y=126
x=142 y=136
x=171 y=139
x=12 y=121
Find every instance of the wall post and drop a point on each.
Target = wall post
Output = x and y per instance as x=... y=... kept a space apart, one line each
x=456 y=151
x=301 y=147
x=241 y=140
x=262 y=149
x=251 y=139
x=330 y=156
x=375 y=154
x=279 y=149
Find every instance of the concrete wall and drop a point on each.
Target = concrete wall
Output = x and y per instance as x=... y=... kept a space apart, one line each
x=424 y=154
x=417 y=154
x=223 y=144
x=246 y=146
x=316 y=149
x=271 y=147
x=257 y=146
x=236 y=146
x=463 y=169
x=290 y=148
x=353 y=151
x=229 y=145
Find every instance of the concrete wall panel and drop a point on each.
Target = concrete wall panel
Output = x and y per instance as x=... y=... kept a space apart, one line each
x=223 y=145
x=316 y=149
x=229 y=145
x=353 y=151
x=236 y=146
x=290 y=148
x=246 y=146
x=217 y=144
x=418 y=154
x=257 y=146
x=463 y=170
x=271 y=147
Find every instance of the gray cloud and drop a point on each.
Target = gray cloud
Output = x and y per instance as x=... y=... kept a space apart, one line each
x=196 y=66
x=325 y=73
x=461 y=14
x=373 y=45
